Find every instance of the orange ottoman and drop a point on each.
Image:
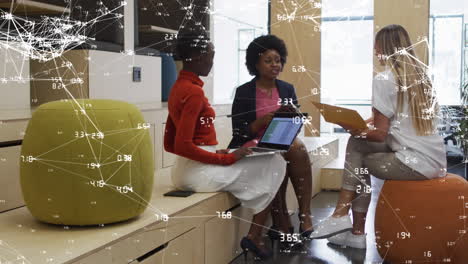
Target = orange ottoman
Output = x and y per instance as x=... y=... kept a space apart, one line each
x=423 y=221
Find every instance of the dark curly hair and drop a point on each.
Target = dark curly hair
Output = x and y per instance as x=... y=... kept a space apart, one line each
x=260 y=45
x=192 y=40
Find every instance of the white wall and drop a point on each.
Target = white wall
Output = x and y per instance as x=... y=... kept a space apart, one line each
x=110 y=77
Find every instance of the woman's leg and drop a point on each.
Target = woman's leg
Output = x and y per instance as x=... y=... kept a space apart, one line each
x=276 y=210
x=356 y=180
x=385 y=166
x=256 y=228
x=344 y=203
x=279 y=211
x=258 y=180
x=254 y=181
x=300 y=172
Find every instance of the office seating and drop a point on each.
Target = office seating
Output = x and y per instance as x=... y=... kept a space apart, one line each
x=423 y=221
x=86 y=162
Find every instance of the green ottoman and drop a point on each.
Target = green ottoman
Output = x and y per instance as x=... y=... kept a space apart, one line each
x=86 y=162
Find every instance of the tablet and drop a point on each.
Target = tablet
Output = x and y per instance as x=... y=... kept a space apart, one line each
x=340 y=115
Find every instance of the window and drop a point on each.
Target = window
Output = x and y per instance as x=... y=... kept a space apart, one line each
x=347 y=50
x=465 y=59
x=347 y=55
x=245 y=37
x=466 y=35
x=236 y=24
x=446 y=41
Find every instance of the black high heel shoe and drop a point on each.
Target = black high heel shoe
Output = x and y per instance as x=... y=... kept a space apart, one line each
x=304 y=234
x=248 y=245
x=275 y=235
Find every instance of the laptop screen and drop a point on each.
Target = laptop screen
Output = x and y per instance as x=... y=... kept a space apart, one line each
x=281 y=131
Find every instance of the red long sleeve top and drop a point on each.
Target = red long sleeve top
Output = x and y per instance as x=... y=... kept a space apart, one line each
x=190 y=122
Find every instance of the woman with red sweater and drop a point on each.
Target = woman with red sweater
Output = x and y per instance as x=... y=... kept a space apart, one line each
x=191 y=135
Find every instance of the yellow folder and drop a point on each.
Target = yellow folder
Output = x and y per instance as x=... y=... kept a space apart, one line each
x=340 y=115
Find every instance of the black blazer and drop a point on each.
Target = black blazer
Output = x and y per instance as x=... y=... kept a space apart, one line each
x=244 y=109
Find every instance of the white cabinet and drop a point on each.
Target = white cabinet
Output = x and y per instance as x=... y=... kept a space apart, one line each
x=10 y=190
x=228 y=233
x=187 y=248
x=11 y=130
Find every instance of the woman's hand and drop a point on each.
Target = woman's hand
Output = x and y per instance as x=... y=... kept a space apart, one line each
x=241 y=152
x=222 y=151
x=261 y=122
x=370 y=121
x=286 y=109
x=359 y=132
x=266 y=119
x=353 y=131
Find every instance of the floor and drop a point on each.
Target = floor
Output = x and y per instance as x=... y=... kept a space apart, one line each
x=457 y=166
x=320 y=251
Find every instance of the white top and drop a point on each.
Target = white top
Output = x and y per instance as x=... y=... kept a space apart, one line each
x=425 y=154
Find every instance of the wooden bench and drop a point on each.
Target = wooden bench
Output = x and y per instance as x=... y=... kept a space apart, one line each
x=171 y=230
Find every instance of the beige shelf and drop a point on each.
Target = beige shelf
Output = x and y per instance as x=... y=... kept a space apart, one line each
x=23 y=235
x=32 y=7
x=156 y=29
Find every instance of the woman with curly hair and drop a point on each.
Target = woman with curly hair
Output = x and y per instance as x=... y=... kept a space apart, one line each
x=190 y=134
x=254 y=105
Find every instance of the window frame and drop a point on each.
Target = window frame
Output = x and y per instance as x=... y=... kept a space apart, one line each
x=465 y=52
x=464 y=44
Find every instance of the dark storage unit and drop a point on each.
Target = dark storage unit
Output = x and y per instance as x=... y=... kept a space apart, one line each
x=105 y=23
x=159 y=21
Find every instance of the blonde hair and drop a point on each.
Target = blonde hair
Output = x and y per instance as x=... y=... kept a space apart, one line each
x=397 y=52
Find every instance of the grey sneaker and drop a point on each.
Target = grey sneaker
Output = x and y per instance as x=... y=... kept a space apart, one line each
x=349 y=239
x=331 y=226
x=339 y=239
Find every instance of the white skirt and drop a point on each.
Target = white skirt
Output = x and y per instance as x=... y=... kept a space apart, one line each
x=253 y=180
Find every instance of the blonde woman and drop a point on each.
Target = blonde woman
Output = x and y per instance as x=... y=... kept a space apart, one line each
x=402 y=143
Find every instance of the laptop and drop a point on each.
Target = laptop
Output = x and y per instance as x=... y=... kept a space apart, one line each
x=279 y=134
